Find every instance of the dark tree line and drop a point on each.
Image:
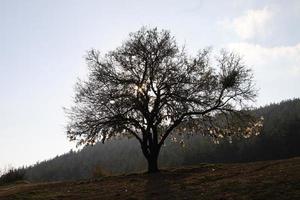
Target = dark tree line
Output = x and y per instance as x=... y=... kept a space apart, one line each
x=12 y=175
x=280 y=138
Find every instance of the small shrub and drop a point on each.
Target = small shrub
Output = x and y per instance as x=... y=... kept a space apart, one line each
x=99 y=172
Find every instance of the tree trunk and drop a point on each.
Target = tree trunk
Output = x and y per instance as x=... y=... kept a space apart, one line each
x=152 y=163
x=151 y=148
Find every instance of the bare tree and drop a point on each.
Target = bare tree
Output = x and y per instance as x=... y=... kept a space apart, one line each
x=149 y=88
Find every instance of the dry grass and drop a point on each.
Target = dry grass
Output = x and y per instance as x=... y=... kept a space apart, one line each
x=260 y=180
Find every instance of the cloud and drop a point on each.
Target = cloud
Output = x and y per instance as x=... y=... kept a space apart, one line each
x=285 y=59
x=276 y=69
x=253 y=23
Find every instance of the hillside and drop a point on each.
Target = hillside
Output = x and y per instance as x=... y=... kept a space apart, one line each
x=279 y=139
x=279 y=179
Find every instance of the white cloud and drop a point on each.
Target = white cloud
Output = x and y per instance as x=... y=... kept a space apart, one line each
x=285 y=59
x=252 y=23
x=276 y=69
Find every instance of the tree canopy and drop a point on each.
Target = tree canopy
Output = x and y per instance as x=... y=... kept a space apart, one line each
x=149 y=88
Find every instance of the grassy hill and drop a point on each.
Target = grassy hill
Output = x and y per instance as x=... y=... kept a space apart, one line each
x=279 y=179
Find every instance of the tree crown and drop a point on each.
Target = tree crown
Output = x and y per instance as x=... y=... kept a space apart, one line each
x=149 y=87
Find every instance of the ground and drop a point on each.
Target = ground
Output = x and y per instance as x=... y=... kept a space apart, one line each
x=258 y=180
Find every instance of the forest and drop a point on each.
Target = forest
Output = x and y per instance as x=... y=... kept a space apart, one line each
x=279 y=139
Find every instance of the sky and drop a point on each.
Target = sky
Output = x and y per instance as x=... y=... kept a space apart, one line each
x=43 y=44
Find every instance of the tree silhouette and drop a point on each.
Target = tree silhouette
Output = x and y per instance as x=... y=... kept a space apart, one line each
x=149 y=88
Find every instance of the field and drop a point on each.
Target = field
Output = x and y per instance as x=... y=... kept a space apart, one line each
x=278 y=179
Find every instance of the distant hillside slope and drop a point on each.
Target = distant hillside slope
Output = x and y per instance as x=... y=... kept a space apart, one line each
x=279 y=139
x=276 y=180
